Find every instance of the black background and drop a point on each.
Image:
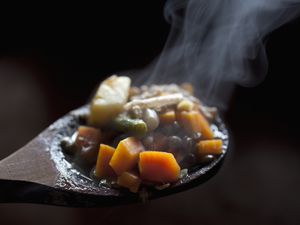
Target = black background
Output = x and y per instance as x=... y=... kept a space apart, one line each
x=52 y=58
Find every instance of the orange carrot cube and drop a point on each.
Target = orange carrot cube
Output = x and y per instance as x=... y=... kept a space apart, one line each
x=158 y=167
x=209 y=147
x=126 y=155
x=194 y=121
x=103 y=169
x=167 y=117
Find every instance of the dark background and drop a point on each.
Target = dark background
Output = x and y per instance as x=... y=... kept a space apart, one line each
x=51 y=60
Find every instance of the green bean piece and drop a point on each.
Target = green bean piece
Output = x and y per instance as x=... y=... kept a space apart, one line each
x=135 y=127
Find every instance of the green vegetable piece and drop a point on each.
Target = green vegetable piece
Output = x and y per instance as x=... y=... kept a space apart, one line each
x=135 y=127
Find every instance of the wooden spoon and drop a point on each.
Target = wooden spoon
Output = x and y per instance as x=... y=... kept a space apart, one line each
x=40 y=173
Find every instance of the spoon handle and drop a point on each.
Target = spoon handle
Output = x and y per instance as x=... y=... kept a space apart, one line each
x=22 y=176
x=30 y=163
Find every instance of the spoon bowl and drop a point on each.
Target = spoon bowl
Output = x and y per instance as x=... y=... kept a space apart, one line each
x=41 y=173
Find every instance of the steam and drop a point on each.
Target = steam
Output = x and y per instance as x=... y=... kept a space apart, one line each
x=217 y=44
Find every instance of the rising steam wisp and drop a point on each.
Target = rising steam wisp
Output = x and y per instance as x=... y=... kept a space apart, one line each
x=216 y=44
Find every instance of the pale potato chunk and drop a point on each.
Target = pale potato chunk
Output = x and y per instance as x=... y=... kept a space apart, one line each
x=109 y=100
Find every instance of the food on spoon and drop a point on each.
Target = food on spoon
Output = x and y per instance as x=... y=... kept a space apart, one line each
x=145 y=137
x=151 y=119
x=194 y=121
x=185 y=105
x=167 y=117
x=136 y=127
x=129 y=180
x=87 y=144
x=158 y=167
x=109 y=100
x=126 y=155
x=155 y=102
x=210 y=147
x=103 y=169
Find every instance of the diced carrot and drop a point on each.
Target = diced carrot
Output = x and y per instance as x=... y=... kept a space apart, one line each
x=126 y=155
x=158 y=167
x=210 y=147
x=167 y=117
x=130 y=181
x=103 y=169
x=87 y=144
x=194 y=121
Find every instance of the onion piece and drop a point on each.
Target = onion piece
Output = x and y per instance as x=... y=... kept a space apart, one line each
x=155 y=102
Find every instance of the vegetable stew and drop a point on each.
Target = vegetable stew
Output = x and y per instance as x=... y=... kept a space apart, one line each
x=136 y=138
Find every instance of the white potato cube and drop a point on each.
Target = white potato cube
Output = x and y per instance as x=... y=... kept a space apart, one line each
x=109 y=100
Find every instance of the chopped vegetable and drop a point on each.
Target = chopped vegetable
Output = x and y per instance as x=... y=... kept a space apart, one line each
x=155 y=102
x=185 y=105
x=130 y=181
x=194 y=121
x=158 y=167
x=87 y=136
x=209 y=147
x=109 y=100
x=151 y=119
x=167 y=117
x=126 y=155
x=135 y=127
x=87 y=143
x=103 y=169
